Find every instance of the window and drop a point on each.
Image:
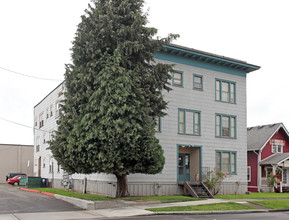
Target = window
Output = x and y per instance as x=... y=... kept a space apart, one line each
x=178 y=79
x=44 y=162
x=57 y=105
x=226 y=161
x=51 y=111
x=47 y=113
x=158 y=124
x=50 y=165
x=225 y=91
x=277 y=149
x=189 y=122
x=197 y=82
x=249 y=174
x=41 y=121
x=225 y=126
x=37 y=144
x=44 y=141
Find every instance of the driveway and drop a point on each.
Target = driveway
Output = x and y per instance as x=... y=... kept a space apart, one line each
x=13 y=200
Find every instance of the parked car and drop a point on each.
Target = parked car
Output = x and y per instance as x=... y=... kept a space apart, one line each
x=16 y=180
x=11 y=175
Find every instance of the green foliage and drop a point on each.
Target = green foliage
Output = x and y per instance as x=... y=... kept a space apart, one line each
x=113 y=94
x=162 y=198
x=214 y=180
x=254 y=195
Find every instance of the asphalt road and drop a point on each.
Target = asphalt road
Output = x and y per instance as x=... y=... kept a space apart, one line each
x=13 y=200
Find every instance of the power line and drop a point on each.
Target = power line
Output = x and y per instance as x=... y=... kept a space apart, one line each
x=13 y=122
x=35 y=77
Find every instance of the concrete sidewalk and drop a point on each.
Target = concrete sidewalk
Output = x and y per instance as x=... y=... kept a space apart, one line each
x=117 y=212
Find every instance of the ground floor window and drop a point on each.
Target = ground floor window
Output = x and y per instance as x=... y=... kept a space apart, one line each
x=249 y=174
x=226 y=161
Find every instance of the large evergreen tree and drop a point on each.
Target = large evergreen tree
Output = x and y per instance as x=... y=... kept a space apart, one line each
x=113 y=95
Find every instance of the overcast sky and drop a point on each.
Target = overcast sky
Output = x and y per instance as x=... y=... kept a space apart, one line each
x=36 y=35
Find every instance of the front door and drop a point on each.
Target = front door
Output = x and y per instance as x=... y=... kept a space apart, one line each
x=285 y=177
x=184 y=167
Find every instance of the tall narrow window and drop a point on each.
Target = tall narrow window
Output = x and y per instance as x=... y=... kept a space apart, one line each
x=158 y=124
x=178 y=78
x=225 y=126
x=225 y=91
x=197 y=82
x=249 y=174
x=189 y=122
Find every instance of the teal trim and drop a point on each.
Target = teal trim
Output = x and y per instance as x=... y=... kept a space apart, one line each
x=231 y=154
x=195 y=112
x=202 y=86
x=199 y=64
x=231 y=117
x=220 y=91
x=182 y=78
x=200 y=158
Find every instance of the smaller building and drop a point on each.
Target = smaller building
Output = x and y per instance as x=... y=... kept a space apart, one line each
x=268 y=150
x=15 y=158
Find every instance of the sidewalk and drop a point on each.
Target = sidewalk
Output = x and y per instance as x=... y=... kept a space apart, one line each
x=121 y=211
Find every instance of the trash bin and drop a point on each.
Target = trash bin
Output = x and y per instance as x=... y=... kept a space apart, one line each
x=23 y=181
x=33 y=182
x=44 y=182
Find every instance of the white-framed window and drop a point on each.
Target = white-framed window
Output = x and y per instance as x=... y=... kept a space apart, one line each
x=44 y=162
x=47 y=113
x=249 y=174
x=277 y=148
x=51 y=110
x=50 y=164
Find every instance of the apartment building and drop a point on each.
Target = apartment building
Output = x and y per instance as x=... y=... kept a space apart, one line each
x=205 y=128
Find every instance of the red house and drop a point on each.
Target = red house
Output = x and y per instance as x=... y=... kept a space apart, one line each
x=267 y=150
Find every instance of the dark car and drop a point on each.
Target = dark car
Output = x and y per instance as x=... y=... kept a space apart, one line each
x=15 y=180
x=11 y=175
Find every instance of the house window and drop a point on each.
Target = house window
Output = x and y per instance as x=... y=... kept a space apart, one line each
x=47 y=113
x=41 y=121
x=225 y=91
x=51 y=110
x=57 y=106
x=189 y=122
x=277 y=149
x=226 y=161
x=249 y=174
x=226 y=126
x=37 y=144
x=50 y=165
x=268 y=170
x=58 y=168
x=197 y=82
x=43 y=162
x=158 y=124
x=178 y=78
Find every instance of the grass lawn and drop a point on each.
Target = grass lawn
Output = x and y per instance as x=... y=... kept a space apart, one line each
x=255 y=196
x=161 y=198
x=92 y=197
x=204 y=207
x=273 y=204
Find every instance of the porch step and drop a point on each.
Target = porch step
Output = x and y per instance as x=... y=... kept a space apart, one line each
x=198 y=190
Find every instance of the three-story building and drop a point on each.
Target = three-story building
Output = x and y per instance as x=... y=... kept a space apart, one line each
x=205 y=128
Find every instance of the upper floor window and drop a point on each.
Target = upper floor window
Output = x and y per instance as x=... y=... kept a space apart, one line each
x=226 y=126
x=41 y=120
x=189 y=122
x=225 y=91
x=277 y=145
x=57 y=107
x=197 y=82
x=37 y=144
x=158 y=124
x=226 y=161
x=177 y=78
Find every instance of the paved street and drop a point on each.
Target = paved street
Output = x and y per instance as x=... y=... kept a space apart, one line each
x=13 y=200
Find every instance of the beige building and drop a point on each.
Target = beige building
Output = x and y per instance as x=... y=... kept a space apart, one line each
x=15 y=158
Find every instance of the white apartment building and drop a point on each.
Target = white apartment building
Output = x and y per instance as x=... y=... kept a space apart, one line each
x=205 y=128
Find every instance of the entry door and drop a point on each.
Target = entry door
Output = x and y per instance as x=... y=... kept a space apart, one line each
x=285 y=177
x=184 y=167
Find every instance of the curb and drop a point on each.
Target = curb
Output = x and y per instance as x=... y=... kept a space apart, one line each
x=37 y=191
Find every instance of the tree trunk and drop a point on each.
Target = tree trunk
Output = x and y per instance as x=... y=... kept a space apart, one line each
x=122 y=186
